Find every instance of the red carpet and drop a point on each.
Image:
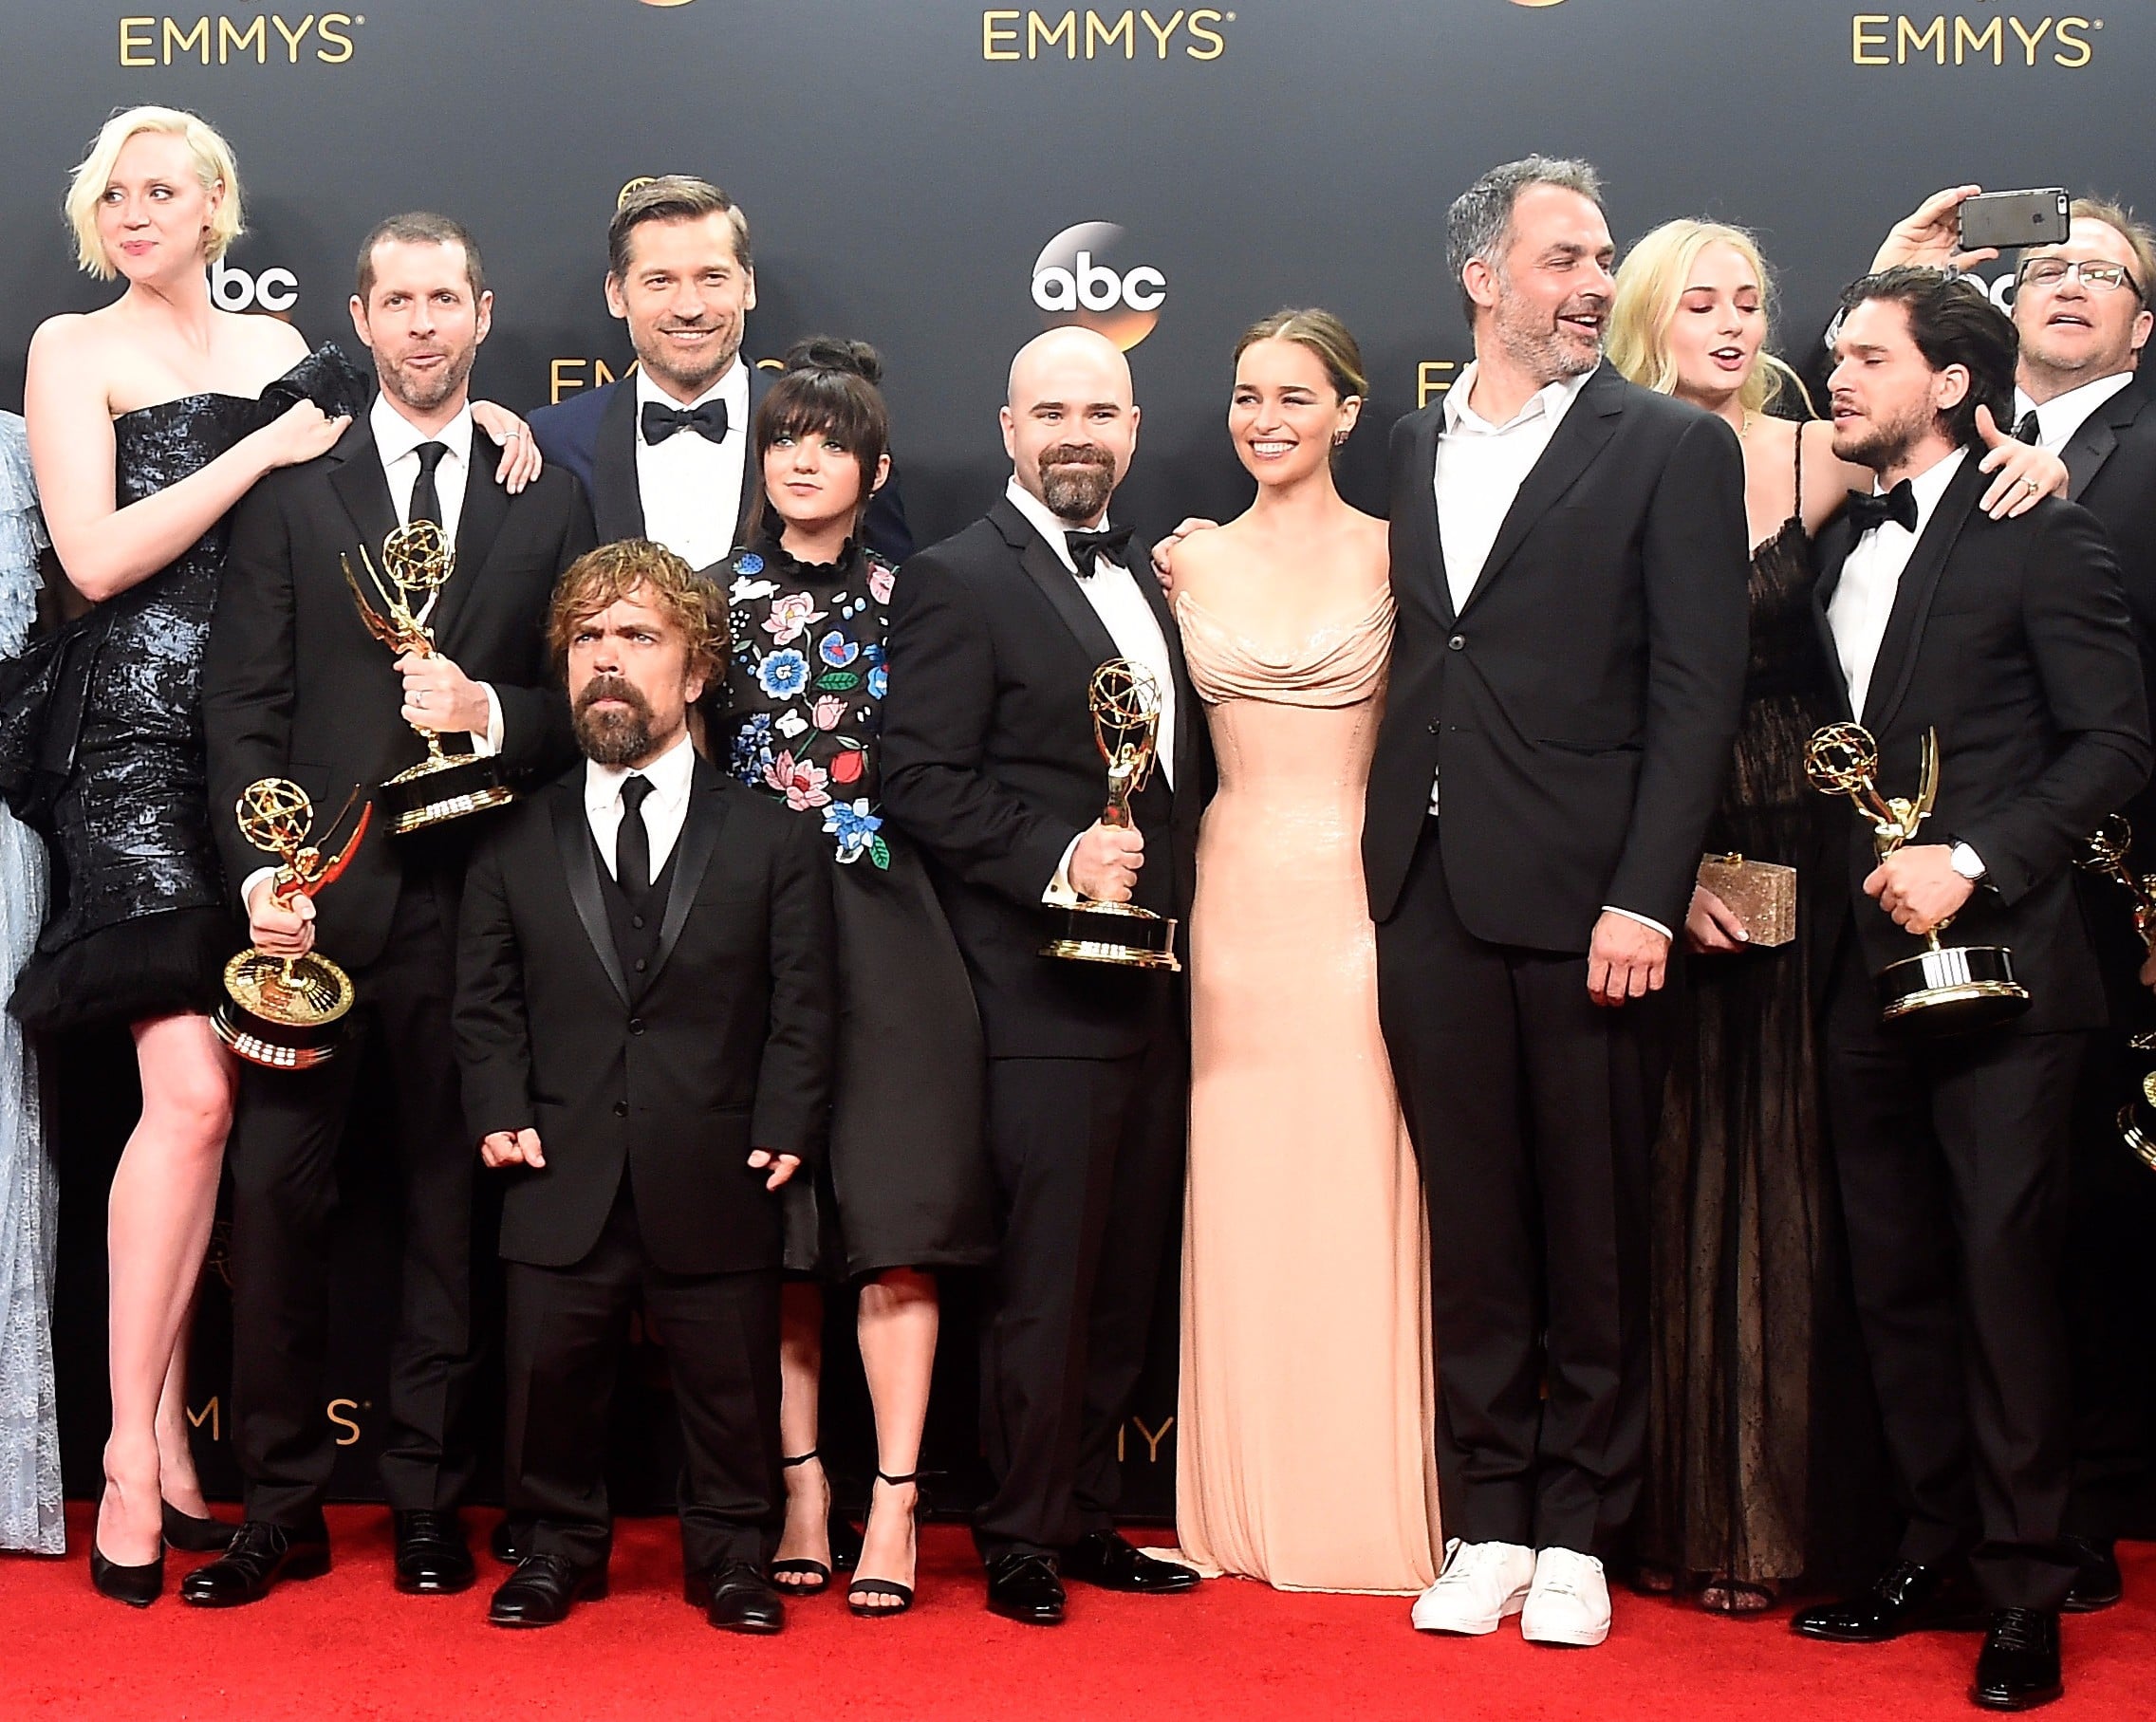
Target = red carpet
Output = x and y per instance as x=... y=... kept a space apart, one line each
x=345 y=1646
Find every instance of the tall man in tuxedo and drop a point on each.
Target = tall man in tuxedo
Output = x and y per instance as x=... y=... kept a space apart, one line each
x=667 y=454
x=645 y=1014
x=295 y=686
x=1569 y=556
x=991 y=764
x=2082 y=312
x=2011 y=641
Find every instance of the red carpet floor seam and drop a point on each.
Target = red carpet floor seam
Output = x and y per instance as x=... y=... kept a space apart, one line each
x=346 y=1646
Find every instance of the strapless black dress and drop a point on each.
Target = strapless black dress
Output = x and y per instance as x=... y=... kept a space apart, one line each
x=140 y=923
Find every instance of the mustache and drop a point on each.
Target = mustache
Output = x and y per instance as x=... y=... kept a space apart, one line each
x=1077 y=454
x=612 y=687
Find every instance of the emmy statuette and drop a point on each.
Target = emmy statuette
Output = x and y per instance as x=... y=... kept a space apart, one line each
x=1125 y=703
x=1943 y=988
x=286 y=1012
x=416 y=562
x=2105 y=854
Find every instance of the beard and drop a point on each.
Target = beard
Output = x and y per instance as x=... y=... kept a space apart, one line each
x=614 y=738
x=422 y=393
x=1540 y=348
x=661 y=361
x=1884 y=443
x=1077 y=480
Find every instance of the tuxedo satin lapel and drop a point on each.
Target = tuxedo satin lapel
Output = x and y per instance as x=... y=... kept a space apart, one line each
x=580 y=867
x=1832 y=551
x=2088 y=449
x=617 y=504
x=1913 y=594
x=1588 y=427
x=751 y=472
x=362 y=486
x=478 y=528
x=699 y=839
x=1057 y=583
x=1186 y=728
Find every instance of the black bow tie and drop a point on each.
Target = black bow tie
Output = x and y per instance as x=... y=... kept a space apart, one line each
x=660 y=420
x=1899 y=505
x=1086 y=549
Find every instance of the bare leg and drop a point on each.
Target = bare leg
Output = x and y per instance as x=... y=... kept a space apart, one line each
x=898 y=1325
x=175 y=1453
x=163 y=1195
x=807 y=1533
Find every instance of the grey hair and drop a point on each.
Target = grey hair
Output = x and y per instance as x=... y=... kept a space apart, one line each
x=1480 y=222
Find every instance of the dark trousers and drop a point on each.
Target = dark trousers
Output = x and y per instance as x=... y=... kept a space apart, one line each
x=568 y=1330
x=1532 y=1111
x=283 y=1165
x=1952 y=1159
x=1089 y=1158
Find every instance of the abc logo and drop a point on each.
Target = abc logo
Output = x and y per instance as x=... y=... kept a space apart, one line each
x=236 y=291
x=1084 y=276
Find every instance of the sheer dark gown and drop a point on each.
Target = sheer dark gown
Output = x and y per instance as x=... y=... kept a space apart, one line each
x=139 y=924
x=1739 y=1177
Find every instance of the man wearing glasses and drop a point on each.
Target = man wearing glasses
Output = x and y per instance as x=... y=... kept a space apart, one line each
x=2082 y=310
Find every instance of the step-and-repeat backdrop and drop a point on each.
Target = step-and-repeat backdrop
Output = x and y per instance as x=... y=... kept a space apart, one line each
x=942 y=179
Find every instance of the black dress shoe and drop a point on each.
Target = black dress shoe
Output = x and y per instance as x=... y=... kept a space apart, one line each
x=260 y=1554
x=541 y=1590
x=2097 y=1584
x=736 y=1596
x=503 y=1544
x=197 y=1536
x=2018 y=1667
x=137 y=1586
x=1104 y=1558
x=1025 y=1589
x=432 y=1557
x=1905 y=1597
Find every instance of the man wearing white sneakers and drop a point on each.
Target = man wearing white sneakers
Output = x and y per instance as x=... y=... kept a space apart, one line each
x=1568 y=665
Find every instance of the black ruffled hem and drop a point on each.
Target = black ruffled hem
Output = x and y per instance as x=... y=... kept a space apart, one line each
x=127 y=973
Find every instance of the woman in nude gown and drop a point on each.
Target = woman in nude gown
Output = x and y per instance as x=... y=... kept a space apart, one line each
x=1304 y=1453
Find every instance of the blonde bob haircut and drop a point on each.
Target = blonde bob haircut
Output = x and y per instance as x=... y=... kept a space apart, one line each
x=214 y=166
x=1651 y=282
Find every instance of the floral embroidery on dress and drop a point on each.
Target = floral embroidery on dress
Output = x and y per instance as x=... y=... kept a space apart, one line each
x=805 y=687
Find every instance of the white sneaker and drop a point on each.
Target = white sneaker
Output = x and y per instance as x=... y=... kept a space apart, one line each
x=1569 y=1603
x=1481 y=1584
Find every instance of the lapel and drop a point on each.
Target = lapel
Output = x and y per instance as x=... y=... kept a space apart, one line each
x=1831 y=549
x=1422 y=478
x=579 y=867
x=752 y=474
x=1914 y=592
x=478 y=528
x=617 y=505
x=1171 y=636
x=692 y=856
x=1588 y=424
x=2088 y=449
x=356 y=475
x=1057 y=583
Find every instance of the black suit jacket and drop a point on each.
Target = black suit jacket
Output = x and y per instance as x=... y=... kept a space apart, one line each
x=2012 y=640
x=1579 y=712
x=295 y=686
x=594 y=433
x=725 y=1045
x=990 y=764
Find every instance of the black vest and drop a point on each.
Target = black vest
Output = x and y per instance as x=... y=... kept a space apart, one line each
x=636 y=925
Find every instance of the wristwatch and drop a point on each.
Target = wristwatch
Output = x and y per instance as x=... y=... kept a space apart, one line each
x=1966 y=861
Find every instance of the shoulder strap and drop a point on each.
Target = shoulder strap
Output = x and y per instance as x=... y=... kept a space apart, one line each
x=1798 y=510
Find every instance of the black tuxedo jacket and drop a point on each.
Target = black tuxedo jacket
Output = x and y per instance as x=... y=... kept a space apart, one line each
x=1579 y=712
x=295 y=686
x=725 y=1044
x=594 y=435
x=2012 y=640
x=991 y=764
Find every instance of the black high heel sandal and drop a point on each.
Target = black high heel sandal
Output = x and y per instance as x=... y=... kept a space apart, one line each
x=818 y=1575
x=889 y=1587
x=193 y=1535
x=137 y=1586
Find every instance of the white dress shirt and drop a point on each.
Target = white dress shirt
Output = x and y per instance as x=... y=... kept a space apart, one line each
x=690 y=485
x=665 y=809
x=1864 y=597
x=2060 y=417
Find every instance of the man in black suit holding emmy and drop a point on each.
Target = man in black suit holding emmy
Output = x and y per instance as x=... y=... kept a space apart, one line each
x=645 y=1018
x=2009 y=640
x=1568 y=558
x=991 y=764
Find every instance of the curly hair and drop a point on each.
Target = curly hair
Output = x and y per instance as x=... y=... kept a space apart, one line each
x=651 y=574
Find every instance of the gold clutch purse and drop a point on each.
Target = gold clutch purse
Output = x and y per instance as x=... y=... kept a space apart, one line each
x=1762 y=894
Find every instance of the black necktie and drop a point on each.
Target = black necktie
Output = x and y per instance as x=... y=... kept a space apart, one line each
x=660 y=420
x=1898 y=505
x=2029 y=428
x=1086 y=549
x=632 y=844
x=426 y=500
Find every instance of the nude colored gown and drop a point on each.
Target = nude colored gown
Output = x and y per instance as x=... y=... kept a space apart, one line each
x=1304 y=1434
